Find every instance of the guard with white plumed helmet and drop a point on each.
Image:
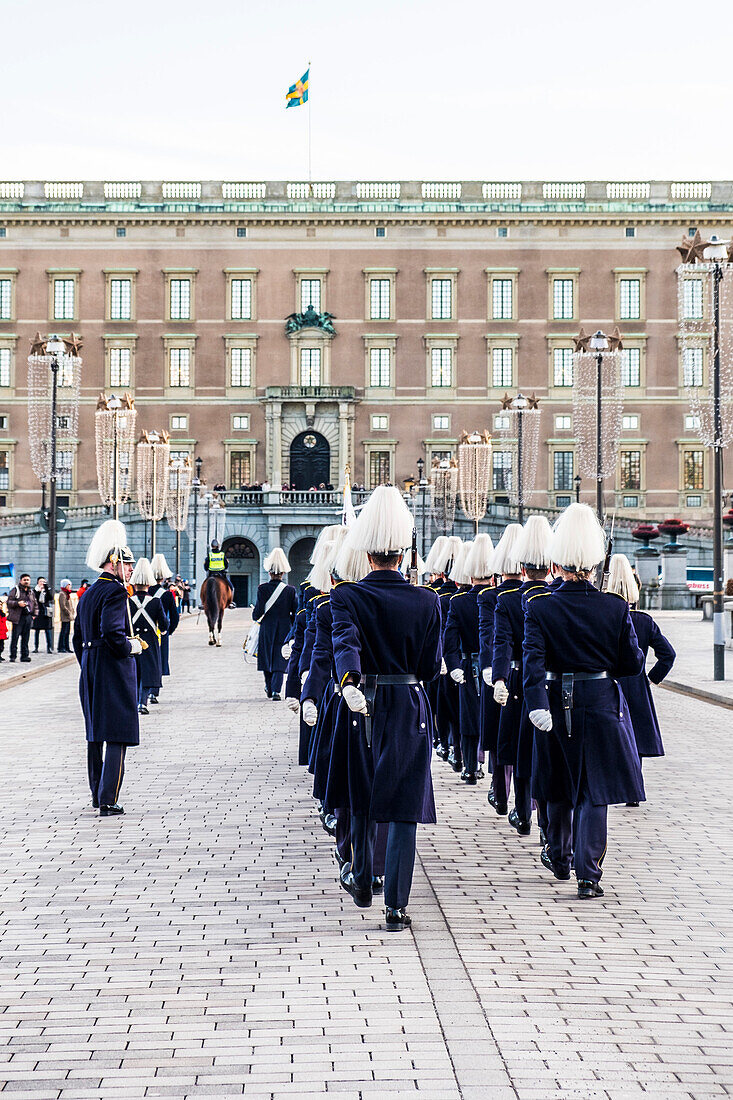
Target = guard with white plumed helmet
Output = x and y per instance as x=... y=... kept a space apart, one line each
x=577 y=643
x=163 y=573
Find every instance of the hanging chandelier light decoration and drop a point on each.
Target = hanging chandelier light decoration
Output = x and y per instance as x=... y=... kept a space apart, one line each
x=522 y=436
x=695 y=298
x=114 y=423
x=41 y=397
x=180 y=474
x=474 y=474
x=598 y=398
x=153 y=455
x=443 y=493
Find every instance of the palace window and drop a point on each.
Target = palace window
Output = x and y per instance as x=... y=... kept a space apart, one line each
x=241 y=367
x=240 y=422
x=379 y=468
x=502 y=299
x=563 y=423
x=630 y=423
x=6 y=299
x=4 y=471
x=562 y=299
x=562 y=364
x=692 y=300
x=119 y=366
x=502 y=371
x=180 y=367
x=179 y=424
x=180 y=299
x=442 y=299
x=380 y=423
x=310 y=366
x=65 y=470
x=631 y=367
x=630 y=470
x=64 y=299
x=562 y=470
x=501 y=471
x=379 y=367
x=379 y=299
x=310 y=296
x=441 y=364
x=120 y=299
x=441 y=423
x=692 y=366
x=240 y=468
x=629 y=299
x=5 y=360
x=241 y=299
x=693 y=464
x=692 y=423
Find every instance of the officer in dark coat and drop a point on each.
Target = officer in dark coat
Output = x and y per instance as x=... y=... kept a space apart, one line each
x=386 y=639
x=577 y=643
x=150 y=623
x=162 y=590
x=636 y=689
x=274 y=610
x=443 y=692
x=105 y=649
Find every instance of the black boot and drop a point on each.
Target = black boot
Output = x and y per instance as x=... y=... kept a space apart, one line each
x=396 y=920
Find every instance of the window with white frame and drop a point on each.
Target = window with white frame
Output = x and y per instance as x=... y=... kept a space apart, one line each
x=692 y=300
x=119 y=366
x=692 y=366
x=631 y=367
x=5 y=361
x=630 y=423
x=179 y=423
x=120 y=299
x=629 y=299
x=180 y=367
x=4 y=471
x=379 y=299
x=180 y=299
x=241 y=299
x=66 y=372
x=502 y=299
x=562 y=367
x=310 y=366
x=502 y=422
x=441 y=295
x=310 y=295
x=562 y=470
x=501 y=471
x=6 y=299
x=693 y=502
x=562 y=299
x=240 y=469
x=3 y=423
x=241 y=367
x=380 y=468
x=240 y=422
x=692 y=423
x=65 y=470
x=630 y=468
x=174 y=478
x=379 y=367
x=502 y=368
x=441 y=423
x=563 y=423
x=380 y=422
x=693 y=469
x=441 y=367
x=64 y=294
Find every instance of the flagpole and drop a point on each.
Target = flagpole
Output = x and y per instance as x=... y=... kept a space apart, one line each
x=310 y=173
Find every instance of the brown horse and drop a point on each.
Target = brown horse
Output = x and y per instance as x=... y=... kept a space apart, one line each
x=215 y=597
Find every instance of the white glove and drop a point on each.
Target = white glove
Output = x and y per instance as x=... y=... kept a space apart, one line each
x=457 y=676
x=486 y=674
x=355 y=700
x=443 y=668
x=135 y=647
x=542 y=719
x=501 y=694
x=293 y=704
x=304 y=677
x=310 y=712
x=286 y=650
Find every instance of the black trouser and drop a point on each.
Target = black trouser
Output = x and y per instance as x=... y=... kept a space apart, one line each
x=399 y=860
x=64 y=633
x=105 y=770
x=522 y=798
x=48 y=631
x=273 y=682
x=21 y=632
x=469 y=749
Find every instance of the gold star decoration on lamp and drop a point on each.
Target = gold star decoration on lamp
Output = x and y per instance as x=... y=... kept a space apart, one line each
x=692 y=248
x=103 y=402
x=614 y=341
x=73 y=344
x=506 y=401
x=533 y=402
x=38 y=345
x=581 y=340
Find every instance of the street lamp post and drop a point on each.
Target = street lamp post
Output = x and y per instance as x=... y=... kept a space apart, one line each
x=208 y=498
x=716 y=253
x=196 y=489
x=55 y=347
x=599 y=343
x=423 y=487
x=576 y=483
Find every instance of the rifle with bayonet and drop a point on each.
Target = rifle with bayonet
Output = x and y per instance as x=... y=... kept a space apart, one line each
x=412 y=573
x=607 y=559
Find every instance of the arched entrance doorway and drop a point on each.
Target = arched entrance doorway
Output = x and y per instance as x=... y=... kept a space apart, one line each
x=310 y=461
x=299 y=558
x=244 y=568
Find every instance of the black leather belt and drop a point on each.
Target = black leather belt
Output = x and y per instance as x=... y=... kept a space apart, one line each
x=567 y=680
x=94 y=644
x=371 y=683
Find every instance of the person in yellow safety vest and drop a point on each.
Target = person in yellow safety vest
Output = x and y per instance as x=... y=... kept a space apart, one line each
x=217 y=564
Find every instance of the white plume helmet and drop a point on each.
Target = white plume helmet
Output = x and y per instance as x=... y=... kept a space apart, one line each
x=533 y=548
x=439 y=555
x=324 y=535
x=458 y=573
x=384 y=524
x=349 y=564
x=276 y=562
x=160 y=567
x=143 y=573
x=320 y=574
x=578 y=542
x=621 y=579
x=455 y=545
x=109 y=542
x=506 y=559
x=479 y=560
x=422 y=568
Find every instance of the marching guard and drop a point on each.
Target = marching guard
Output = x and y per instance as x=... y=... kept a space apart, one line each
x=162 y=573
x=150 y=623
x=275 y=611
x=577 y=643
x=105 y=649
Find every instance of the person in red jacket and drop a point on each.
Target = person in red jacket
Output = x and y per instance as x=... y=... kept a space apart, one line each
x=82 y=589
x=3 y=631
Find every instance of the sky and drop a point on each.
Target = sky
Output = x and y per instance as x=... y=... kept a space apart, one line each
x=400 y=90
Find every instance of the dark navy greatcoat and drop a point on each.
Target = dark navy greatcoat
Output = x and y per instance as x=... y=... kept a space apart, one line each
x=168 y=600
x=385 y=625
x=490 y=714
x=514 y=743
x=108 y=681
x=149 y=664
x=447 y=692
x=321 y=689
x=312 y=596
x=636 y=688
x=292 y=678
x=275 y=626
x=461 y=643
x=576 y=628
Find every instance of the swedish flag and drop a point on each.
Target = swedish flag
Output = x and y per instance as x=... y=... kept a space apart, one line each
x=298 y=93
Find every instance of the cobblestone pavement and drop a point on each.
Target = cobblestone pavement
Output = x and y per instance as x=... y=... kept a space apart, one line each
x=199 y=946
